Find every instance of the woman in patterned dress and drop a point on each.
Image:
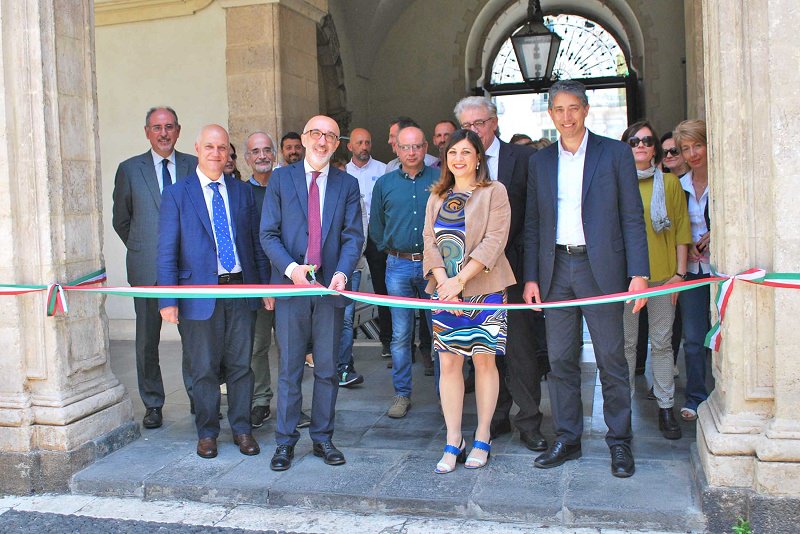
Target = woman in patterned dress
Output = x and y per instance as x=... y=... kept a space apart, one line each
x=466 y=230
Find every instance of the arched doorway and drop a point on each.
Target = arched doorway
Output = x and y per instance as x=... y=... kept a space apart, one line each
x=588 y=53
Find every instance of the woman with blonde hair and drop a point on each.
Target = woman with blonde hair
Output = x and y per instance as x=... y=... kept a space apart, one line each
x=467 y=221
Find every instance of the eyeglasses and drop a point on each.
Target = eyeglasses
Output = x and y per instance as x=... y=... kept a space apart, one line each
x=317 y=134
x=477 y=124
x=409 y=148
x=233 y=156
x=672 y=152
x=258 y=151
x=647 y=140
x=157 y=128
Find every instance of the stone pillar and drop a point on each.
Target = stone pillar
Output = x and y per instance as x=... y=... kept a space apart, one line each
x=272 y=69
x=695 y=64
x=749 y=430
x=60 y=405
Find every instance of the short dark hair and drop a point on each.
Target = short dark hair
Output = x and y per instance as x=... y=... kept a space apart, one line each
x=403 y=122
x=290 y=135
x=635 y=127
x=156 y=108
x=448 y=121
x=666 y=136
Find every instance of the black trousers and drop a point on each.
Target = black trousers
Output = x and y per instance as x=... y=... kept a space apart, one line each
x=376 y=260
x=572 y=278
x=222 y=344
x=520 y=369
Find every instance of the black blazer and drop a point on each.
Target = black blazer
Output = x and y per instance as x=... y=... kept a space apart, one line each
x=512 y=172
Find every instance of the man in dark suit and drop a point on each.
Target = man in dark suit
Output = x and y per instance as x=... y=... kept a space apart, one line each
x=137 y=199
x=584 y=236
x=312 y=232
x=520 y=373
x=208 y=235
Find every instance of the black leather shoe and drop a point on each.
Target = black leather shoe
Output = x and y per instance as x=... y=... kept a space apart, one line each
x=558 y=453
x=622 y=464
x=152 y=418
x=499 y=427
x=282 y=459
x=328 y=452
x=667 y=424
x=534 y=441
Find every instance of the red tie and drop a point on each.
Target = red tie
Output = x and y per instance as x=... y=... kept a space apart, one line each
x=314 y=256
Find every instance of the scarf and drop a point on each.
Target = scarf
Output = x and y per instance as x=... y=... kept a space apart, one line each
x=658 y=204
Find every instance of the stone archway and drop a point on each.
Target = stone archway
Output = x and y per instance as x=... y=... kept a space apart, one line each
x=332 y=91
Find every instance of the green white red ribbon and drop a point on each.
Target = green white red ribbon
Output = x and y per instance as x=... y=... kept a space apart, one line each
x=57 y=302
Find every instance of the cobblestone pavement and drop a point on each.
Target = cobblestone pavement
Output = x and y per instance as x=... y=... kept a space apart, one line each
x=68 y=514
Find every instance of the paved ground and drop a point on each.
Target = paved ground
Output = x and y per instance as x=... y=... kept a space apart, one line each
x=390 y=463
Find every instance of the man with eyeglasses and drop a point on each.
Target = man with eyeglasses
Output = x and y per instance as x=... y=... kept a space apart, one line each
x=394 y=128
x=397 y=218
x=312 y=232
x=138 y=186
x=521 y=369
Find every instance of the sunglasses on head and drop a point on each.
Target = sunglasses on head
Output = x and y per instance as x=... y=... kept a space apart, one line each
x=647 y=140
x=674 y=152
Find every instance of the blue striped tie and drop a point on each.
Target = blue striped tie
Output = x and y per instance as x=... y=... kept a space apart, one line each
x=166 y=177
x=221 y=230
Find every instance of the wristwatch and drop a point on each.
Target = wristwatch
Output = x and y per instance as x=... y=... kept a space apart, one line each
x=682 y=276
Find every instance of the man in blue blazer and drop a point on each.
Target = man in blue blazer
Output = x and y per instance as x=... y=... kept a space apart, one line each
x=584 y=236
x=137 y=198
x=208 y=235
x=312 y=232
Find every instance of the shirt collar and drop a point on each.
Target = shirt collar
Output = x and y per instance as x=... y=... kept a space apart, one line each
x=494 y=149
x=157 y=159
x=404 y=174
x=323 y=171
x=581 y=149
x=205 y=180
x=255 y=182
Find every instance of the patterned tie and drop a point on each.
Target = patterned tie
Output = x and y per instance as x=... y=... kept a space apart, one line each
x=166 y=177
x=314 y=223
x=221 y=231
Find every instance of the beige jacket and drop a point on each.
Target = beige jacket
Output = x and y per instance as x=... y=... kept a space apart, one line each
x=488 y=218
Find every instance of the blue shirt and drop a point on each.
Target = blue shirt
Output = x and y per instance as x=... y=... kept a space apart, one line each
x=397 y=213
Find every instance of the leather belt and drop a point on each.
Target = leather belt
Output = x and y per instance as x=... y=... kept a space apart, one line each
x=572 y=249
x=413 y=256
x=230 y=278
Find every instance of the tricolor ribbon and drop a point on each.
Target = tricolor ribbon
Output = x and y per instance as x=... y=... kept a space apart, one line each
x=724 y=290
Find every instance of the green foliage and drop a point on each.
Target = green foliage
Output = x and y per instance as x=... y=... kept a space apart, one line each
x=742 y=526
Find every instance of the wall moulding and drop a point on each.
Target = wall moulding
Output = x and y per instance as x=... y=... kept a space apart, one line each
x=107 y=12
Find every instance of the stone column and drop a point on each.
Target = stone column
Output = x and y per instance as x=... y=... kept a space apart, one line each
x=749 y=429
x=60 y=405
x=272 y=70
x=695 y=65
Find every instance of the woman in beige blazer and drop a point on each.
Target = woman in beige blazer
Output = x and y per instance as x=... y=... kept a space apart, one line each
x=466 y=229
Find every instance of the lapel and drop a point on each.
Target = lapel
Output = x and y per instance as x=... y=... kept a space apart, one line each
x=234 y=199
x=594 y=149
x=505 y=164
x=332 y=191
x=195 y=193
x=298 y=174
x=550 y=162
x=149 y=176
x=181 y=166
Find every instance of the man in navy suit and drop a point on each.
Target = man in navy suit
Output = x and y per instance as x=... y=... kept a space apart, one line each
x=584 y=236
x=312 y=232
x=208 y=235
x=137 y=198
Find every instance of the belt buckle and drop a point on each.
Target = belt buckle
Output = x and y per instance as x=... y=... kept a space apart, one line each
x=224 y=278
x=569 y=249
x=414 y=256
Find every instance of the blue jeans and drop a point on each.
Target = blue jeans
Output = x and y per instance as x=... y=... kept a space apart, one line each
x=694 y=316
x=346 y=345
x=404 y=279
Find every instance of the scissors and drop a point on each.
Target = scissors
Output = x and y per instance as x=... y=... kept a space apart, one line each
x=312 y=273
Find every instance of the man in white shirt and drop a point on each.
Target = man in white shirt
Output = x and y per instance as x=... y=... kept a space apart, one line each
x=138 y=186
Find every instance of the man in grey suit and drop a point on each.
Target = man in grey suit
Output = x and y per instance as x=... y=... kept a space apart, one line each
x=138 y=185
x=584 y=236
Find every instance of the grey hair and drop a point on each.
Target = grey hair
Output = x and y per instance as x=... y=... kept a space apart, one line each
x=567 y=86
x=271 y=139
x=470 y=102
x=154 y=109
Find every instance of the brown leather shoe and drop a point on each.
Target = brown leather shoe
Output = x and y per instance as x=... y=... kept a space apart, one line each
x=207 y=447
x=247 y=444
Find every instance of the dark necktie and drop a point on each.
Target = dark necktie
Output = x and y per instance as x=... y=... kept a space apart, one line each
x=314 y=223
x=166 y=177
x=221 y=231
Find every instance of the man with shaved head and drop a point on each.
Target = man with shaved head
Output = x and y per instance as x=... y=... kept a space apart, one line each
x=208 y=235
x=312 y=232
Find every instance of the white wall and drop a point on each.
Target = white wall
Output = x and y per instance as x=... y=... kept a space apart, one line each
x=178 y=62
